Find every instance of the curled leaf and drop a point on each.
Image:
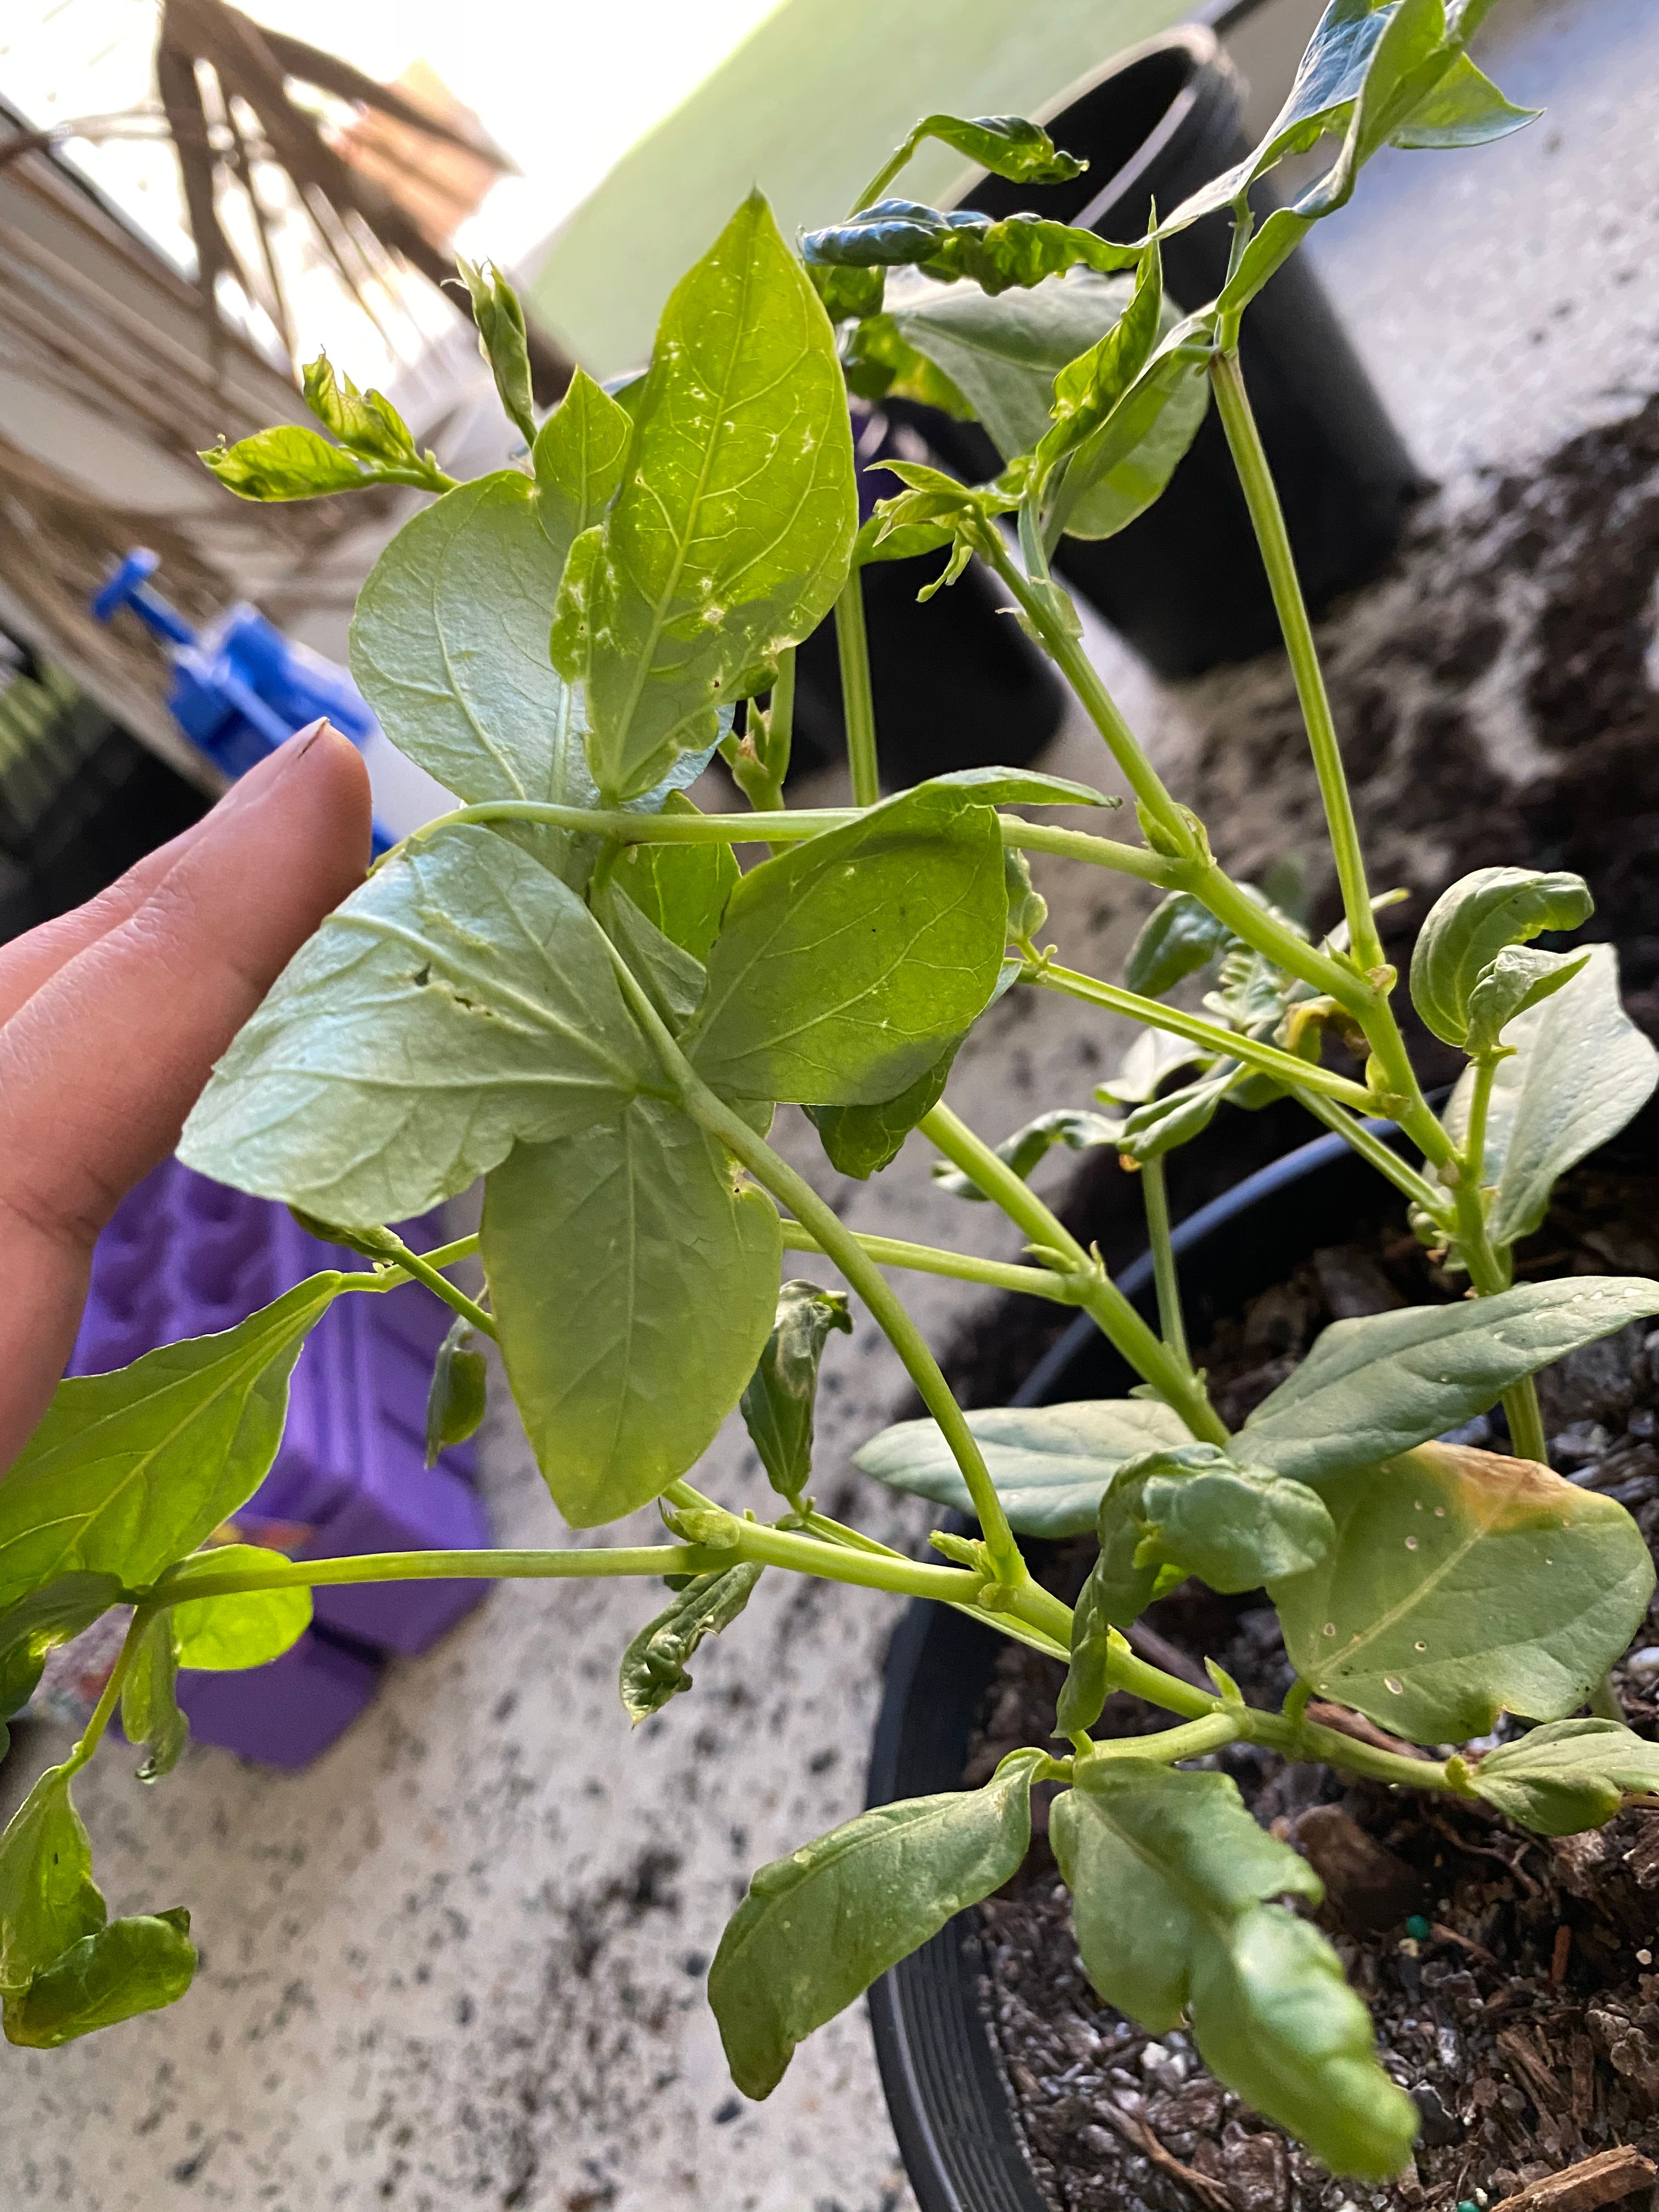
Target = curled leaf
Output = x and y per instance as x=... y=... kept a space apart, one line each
x=502 y=339
x=1472 y=922
x=286 y=463
x=1076 y=1128
x=778 y=1401
x=1568 y=1775
x=655 y=1665
x=819 y=1927
x=1179 y=936
x=456 y=1399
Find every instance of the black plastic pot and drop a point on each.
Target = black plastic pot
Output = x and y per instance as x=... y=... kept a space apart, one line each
x=956 y=681
x=949 y=2098
x=1184 y=583
x=946 y=2092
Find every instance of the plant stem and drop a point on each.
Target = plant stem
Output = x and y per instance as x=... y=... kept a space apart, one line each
x=1176 y=832
x=1605 y=1703
x=858 y=700
x=840 y=1245
x=451 y=1256
x=1191 y=1742
x=104 y=1710
x=420 y=1267
x=1097 y=1294
x=885 y=175
x=1286 y=1732
x=1283 y=1066
x=1156 y=1197
x=1142 y=1680
x=961 y=1266
x=1268 y=518
x=776 y=1547
x=1372 y=1148
x=792 y=828
x=1471 y=1158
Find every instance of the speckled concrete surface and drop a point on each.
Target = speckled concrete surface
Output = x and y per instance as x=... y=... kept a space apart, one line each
x=459 y=1961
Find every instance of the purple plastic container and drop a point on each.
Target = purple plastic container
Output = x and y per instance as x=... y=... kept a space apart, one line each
x=288 y=1712
x=185 y=1256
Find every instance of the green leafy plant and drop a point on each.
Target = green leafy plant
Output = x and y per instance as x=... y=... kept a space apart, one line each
x=568 y=987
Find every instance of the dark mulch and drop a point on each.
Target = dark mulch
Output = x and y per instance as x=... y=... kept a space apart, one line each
x=1521 y=2015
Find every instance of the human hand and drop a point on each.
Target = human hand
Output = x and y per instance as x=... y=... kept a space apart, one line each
x=111 y=1019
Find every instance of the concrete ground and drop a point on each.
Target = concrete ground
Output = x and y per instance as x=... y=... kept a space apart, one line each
x=459 y=1961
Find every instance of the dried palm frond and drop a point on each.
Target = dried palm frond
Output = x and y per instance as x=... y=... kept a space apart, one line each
x=225 y=84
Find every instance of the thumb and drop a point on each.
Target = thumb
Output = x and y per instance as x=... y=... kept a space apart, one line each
x=101 y=1064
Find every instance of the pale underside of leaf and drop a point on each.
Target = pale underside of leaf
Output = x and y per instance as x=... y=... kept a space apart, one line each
x=1051 y=1465
x=463 y=999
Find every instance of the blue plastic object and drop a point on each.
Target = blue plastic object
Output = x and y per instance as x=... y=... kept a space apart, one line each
x=239 y=688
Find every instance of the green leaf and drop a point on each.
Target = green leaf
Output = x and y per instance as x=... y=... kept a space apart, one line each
x=655 y=1665
x=1082 y=1694
x=862 y=1140
x=1461 y=1585
x=1234 y=1526
x=1002 y=354
x=501 y=340
x=1019 y=787
x=48 y=1898
x=132 y=1966
x=1580 y=1070
x=1567 y=1776
x=1123 y=465
x=1178 y=937
x=1019 y=249
x=580 y=455
x=1162 y=1124
x=1007 y=145
x=1520 y=977
x=150 y=1699
x=933 y=510
x=456 y=1399
x=881 y=363
x=1086 y=390
x=245 y=1628
x=1169 y=1874
x=449 y=647
x=286 y=463
x=41 y=1622
x=1373 y=1387
x=845 y=293
x=1051 y=1464
x=1372 y=74
x=366 y=421
x=131 y=1471
x=1028 y=910
x=1359 y=56
x=818 y=1927
x=778 y=1401
x=1077 y=1130
x=1472 y=922
x=847 y=965
x=684 y=889
x=1154 y=1055
x=673 y=979
x=462 y=1000
x=634 y=1287
x=1465 y=108
x=732 y=537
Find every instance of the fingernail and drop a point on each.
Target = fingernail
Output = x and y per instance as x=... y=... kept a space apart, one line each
x=260 y=779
